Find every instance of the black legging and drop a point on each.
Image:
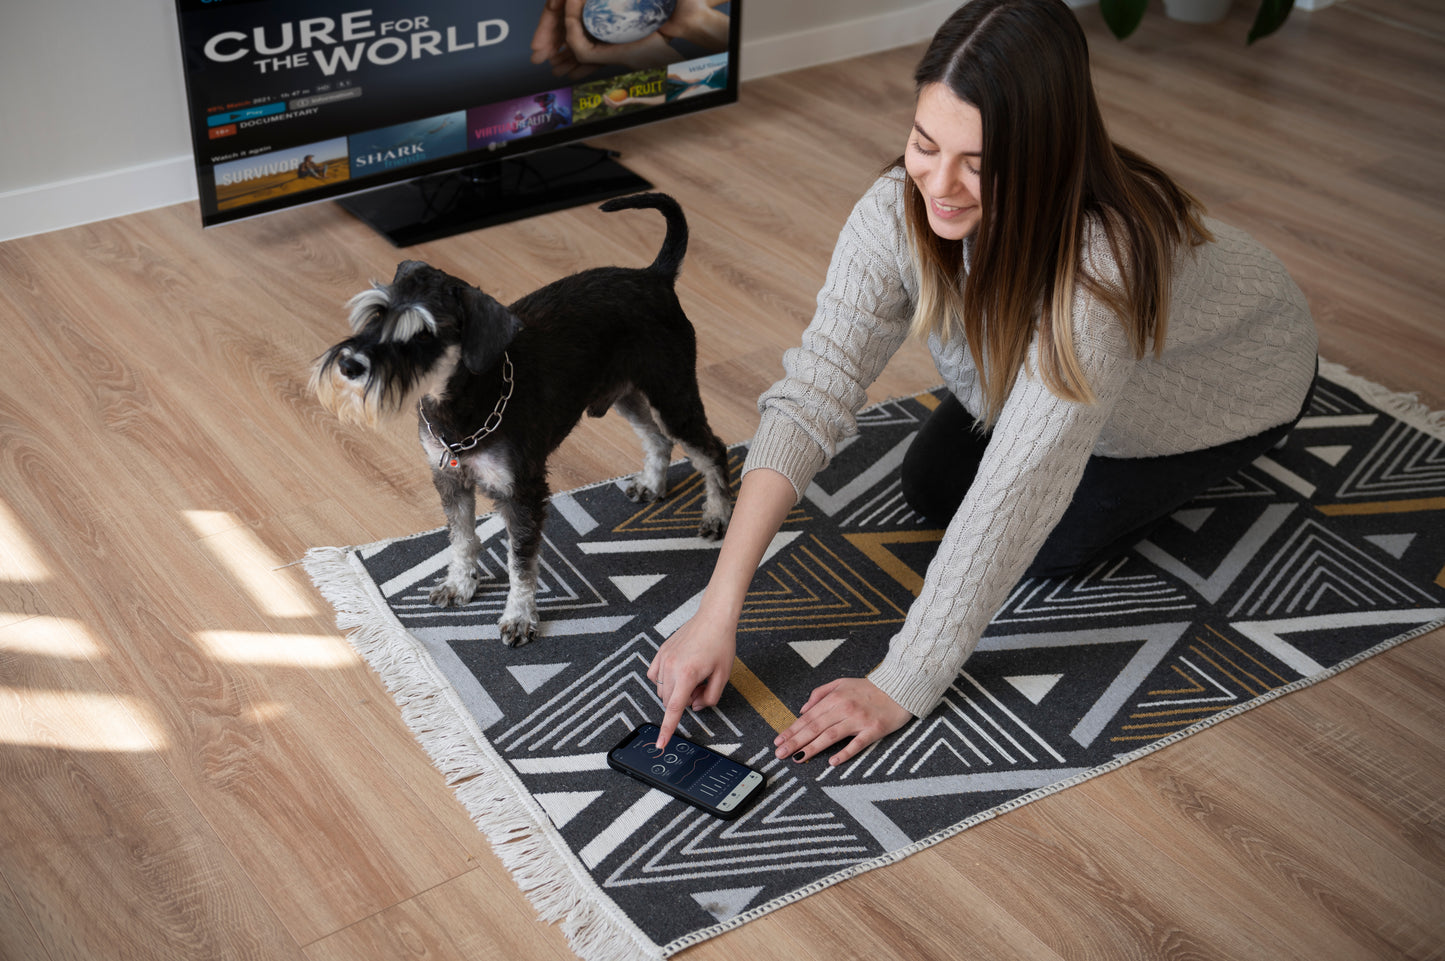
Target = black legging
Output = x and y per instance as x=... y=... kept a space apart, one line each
x=1119 y=500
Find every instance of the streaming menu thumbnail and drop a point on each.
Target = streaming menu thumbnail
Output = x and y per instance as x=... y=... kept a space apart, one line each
x=524 y=117
x=693 y=77
x=375 y=151
x=629 y=92
x=279 y=173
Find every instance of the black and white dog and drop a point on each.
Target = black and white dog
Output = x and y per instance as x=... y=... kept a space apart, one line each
x=498 y=388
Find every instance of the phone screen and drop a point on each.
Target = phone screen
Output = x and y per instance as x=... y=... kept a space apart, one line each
x=687 y=770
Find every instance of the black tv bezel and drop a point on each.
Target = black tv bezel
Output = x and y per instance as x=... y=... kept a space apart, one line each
x=476 y=159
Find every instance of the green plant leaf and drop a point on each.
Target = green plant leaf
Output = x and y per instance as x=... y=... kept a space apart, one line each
x=1272 y=14
x=1123 y=16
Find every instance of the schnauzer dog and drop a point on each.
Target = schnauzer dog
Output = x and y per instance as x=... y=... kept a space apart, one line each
x=498 y=388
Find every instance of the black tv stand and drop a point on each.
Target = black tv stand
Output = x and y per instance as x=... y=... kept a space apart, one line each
x=496 y=192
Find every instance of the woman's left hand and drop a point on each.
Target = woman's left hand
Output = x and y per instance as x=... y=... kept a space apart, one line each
x=849 y=706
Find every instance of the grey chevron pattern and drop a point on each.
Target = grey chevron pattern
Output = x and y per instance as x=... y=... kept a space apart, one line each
x=1331 y=546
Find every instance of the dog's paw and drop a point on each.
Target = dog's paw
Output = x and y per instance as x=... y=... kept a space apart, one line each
x=516 y=631
x=453 y=592
x=640 y=492
x=712 y=528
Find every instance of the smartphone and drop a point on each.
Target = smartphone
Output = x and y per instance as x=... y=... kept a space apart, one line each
x=690 y=772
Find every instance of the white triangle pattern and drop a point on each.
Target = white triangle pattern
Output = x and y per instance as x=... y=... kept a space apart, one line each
x=1330 y=455
x=1393 y=544
x=533 y=676
x=1034 y=686
x=563 y=806
x=727 y=902
x=815 y=652
x=634 y=586
x=1193 y=519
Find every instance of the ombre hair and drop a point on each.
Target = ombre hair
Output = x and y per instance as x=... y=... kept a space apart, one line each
x=1049 y=175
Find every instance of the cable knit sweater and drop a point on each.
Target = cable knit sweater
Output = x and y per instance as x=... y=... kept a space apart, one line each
x=1239 y=356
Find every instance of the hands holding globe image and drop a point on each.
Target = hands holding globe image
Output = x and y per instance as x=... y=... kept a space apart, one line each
x=625 y=21
x=578 y=36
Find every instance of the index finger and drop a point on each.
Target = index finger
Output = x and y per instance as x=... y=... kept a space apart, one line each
x=671 y=715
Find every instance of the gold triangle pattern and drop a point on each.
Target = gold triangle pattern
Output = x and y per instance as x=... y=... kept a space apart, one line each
x=1233 y=675
x=680 y=511
x=875 y=548
x=812 y=586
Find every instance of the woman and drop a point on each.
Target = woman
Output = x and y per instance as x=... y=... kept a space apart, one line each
x=1109 y=353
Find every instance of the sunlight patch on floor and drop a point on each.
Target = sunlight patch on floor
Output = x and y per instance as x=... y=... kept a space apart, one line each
x=50 y=637
x=265 y=712
x=39 y=707
x=19 y=560
x=275 y=589
x=277 y=650
x=76 y=721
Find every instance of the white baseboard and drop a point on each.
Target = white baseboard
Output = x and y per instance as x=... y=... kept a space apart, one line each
x=83 y=200
x=115 y=193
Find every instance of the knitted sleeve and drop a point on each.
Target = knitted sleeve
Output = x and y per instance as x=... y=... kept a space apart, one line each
x=862 y=318
x=1027 y=478
x=1028 y=474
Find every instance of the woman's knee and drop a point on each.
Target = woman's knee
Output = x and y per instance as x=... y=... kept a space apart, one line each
x=940 y=464
x=925 y=495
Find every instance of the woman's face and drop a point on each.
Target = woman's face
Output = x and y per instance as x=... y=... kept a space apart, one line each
x=943 y=156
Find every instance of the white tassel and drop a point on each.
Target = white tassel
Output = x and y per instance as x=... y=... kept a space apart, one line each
x=521 y=835
x=1402 y=406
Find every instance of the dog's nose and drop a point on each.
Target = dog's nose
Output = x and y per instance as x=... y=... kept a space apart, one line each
x=351 y=367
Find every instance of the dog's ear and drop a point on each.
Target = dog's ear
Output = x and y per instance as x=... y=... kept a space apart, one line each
x=404 y=268
x=487 y=328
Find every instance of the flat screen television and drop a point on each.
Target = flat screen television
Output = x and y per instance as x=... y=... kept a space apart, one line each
x=427 y=119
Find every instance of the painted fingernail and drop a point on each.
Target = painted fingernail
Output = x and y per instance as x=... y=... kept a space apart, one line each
x=799 y=756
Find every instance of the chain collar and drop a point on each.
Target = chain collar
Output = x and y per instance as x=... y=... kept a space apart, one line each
x=451 y=452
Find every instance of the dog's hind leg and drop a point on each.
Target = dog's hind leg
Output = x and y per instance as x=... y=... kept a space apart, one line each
x=524 y=514
x=650 y=483
x=682 y=417
x=459 y=503
x=709 y=458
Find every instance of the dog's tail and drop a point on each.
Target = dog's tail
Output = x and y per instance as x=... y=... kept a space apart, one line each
x=674 y=246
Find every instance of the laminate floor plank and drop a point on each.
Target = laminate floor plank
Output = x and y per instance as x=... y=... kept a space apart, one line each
x=102 y=855
x=193 y=762
x=1237 y=824
x=928 y=911
x=444 y=924
x=1095 y=888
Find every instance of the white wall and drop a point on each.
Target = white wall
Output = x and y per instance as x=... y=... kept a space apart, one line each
x=93 y=120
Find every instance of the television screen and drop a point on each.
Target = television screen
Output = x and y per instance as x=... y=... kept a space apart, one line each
x=296 y=101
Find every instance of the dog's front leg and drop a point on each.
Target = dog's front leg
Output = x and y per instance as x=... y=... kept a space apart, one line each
x=459 y=502
x=523 y=514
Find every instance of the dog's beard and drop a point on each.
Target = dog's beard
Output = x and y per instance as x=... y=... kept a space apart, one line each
x=352 y=401
x=367 y=399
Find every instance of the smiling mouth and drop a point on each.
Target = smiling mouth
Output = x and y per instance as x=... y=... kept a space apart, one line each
x=947 y=210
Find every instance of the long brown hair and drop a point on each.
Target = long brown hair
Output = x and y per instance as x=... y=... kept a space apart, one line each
x=1049 y=173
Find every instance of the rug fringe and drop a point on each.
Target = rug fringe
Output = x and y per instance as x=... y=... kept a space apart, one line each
x=1403 y=406
x=520 y=833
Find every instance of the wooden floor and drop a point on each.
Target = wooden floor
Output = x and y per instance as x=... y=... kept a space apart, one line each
x=193 y=764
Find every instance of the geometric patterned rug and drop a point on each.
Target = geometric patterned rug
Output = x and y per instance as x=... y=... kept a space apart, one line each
x=1329 y=549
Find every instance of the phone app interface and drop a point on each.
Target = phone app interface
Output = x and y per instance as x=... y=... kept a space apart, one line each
x=687 y=767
